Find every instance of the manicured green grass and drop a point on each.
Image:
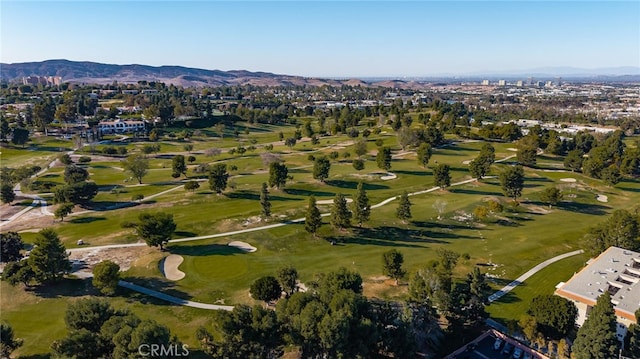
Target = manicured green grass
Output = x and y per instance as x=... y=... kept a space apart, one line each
x=511 y=242
x=516 y=303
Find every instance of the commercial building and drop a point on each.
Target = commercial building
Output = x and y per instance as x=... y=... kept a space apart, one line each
x=121 y=126
x=616 y=271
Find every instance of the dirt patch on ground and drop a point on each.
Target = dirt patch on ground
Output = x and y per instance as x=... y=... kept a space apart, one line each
x=124 y=257
x=169 y=267
x=34 y=219
x=243 y=246
x=538 y=209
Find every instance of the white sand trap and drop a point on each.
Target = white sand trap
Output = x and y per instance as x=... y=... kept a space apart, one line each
x=171 y=264
x=512 y=149
x=243 y=246
x=466 y=162
x=330 y=201
x=602 y=198
x=388 y=176
x=571 y=180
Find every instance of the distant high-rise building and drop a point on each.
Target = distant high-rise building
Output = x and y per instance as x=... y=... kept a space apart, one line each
x=539 y=83
x=519 y=83
x=485 y=82
x=558 y=81
x=548 y=84
x=530 y=81
x=502 y=83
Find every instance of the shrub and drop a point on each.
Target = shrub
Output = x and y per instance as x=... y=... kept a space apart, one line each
x=137 y=197
x=84 y=159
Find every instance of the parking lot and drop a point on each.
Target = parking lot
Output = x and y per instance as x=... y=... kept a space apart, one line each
x=483 y=348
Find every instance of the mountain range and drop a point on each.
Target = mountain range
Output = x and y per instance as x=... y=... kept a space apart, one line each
x=99 y=73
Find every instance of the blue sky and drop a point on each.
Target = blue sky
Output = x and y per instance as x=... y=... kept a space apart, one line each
x=328 y=38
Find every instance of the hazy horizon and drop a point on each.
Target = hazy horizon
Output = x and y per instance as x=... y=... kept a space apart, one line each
x=328 y=39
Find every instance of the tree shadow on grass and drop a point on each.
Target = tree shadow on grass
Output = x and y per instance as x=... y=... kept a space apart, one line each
x=474 y=192
x=595 y=209
x=509 y=298
x=185 y=234
x=204 y=250
x=443 y=226
x=158 y=284
x=109 y=205
x=251 y=195
x=399 y=235
x=66 y=287
x=354 y=185
x=307 y=193
x=413 y=173
x=85 y=220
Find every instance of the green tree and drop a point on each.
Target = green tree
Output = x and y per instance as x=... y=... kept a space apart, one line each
x=313 y=219
x=155 y=229
x=5 y=131
x=63 y=210
x=290 y=142
x=48 y=258
x=527 y=150
x=188 y=147
x=20 y=136
x=82 y=192
x=266 y=289
x=383 y=158
x=512 y=181
x=596 y=338
x=361 y=206
x=288 y=279
x=218 y=177
x=137 y=165
x=321 y=167
x=265 y=203
x=632 y=340
x=178 y=166
x=278 y=174
x=340 y=214
x=358 y=164
x=441 y=176
x=551 y=196
x=360 y=147
x=74 y=174
x=106 y=276
x=9 y=343
x=10 y=246
x=392 y=261
x=403 y=212
x=574 y=160
x=7 y=195
x=191 y=186
x=556 y=316
x=89 y=314
x=424 y=153
x=611 y=175
x=621 y=229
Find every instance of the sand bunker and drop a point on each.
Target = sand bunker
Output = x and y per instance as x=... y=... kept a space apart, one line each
x=243 y=246
x=602 y=198
x=170 y=267
x=466 y=162
x=388 y=176
x=512 y=149
x=568 y=180
x=330 y=201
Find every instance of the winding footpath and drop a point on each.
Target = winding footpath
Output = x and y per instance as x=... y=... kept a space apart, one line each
x=509 y=287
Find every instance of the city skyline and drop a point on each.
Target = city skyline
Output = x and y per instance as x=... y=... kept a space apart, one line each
x=328 y=39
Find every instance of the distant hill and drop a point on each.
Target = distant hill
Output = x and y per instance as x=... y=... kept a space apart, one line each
x=93 y=72
x=98 y=73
